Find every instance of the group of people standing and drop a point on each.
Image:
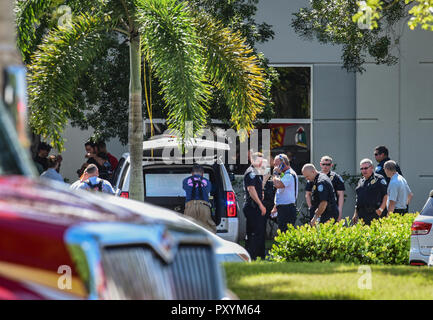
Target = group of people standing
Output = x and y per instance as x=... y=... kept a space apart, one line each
x=94 y=174
x=380 y=190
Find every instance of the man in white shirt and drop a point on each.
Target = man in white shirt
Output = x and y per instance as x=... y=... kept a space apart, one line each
x=399 y=193
x=91 y=181
x=286 y=182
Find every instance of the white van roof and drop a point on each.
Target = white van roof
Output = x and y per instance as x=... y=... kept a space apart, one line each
x=171 y=142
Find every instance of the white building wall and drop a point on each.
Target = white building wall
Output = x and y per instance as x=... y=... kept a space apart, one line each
x=394 y=108
x=287 y=46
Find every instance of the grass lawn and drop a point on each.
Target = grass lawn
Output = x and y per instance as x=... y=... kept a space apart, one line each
x=303 y=280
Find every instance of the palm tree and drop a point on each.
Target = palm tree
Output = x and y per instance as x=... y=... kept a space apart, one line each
x=188 y=51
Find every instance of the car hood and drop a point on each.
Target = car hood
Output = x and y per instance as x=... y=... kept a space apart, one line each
x=55 y=203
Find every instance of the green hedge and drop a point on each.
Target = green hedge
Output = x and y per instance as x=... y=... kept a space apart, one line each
x=385 y=241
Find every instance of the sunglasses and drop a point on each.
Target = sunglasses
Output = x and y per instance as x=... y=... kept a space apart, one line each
x=365 y=168
x=326 y=164
x=376 y=154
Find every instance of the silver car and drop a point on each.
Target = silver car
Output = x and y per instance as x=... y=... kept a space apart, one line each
x=421 y=240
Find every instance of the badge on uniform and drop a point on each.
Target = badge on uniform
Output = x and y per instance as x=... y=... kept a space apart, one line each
x=252 y=175
x=314 y=188
x=373 y=181
x=341 y=179
x=320 y=188
x=383 y=181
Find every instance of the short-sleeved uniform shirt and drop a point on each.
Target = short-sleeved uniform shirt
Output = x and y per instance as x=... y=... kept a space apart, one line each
x=288 y=194
x=252 y=178
x=196 y=188
x=336 y=180
x=398 y=191
x=370 y=192
x=380 y=170
x=322 y=190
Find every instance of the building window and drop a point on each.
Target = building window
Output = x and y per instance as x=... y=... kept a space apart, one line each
x=290 y=128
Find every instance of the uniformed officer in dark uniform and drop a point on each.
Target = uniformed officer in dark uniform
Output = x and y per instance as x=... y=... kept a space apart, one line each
x=381 y=155
x=370 y=194
x=323 y=195
x=254 y=210
x=337 y=183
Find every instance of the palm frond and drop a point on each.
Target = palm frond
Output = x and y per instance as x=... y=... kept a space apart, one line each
x=171 y=44
x=234 y=69
x=30 y=16
x=53 y=76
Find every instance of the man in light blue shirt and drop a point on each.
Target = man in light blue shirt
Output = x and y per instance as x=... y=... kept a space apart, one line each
x=51 y=173
x=91 y=181
x=286 y=182
x=399 y=193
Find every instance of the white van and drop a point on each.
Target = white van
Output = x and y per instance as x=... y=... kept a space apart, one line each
x=163 y=181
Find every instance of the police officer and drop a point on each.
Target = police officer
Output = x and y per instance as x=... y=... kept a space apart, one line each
x=323 y=196
x=254 y=210
x=268 y=186
x=370 y=194
x=381 y=155
x=337 y=183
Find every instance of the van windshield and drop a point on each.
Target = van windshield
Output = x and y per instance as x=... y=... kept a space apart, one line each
x=156 y=184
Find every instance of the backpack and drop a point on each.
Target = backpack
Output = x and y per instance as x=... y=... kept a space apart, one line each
x=197 y=184
x=97 y=186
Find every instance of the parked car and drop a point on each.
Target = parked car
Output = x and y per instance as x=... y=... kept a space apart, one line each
x=163 y=180
x=226 y=251
x=56 y=243
x=421 y=240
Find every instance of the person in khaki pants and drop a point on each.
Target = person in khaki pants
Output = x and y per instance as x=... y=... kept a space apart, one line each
x=197 y=204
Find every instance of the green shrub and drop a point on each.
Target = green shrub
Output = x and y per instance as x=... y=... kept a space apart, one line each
x=385 y=241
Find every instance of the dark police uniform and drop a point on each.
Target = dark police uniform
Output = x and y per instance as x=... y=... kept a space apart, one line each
x=337 y=183
x=322 y=190
x=256 y=223
x=380 y=170
x=369 y=196
x=269 y=196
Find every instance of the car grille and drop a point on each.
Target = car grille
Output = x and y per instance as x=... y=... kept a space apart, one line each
x=139 y=273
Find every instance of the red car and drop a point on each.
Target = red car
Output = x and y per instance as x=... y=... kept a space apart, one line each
x=60 y=244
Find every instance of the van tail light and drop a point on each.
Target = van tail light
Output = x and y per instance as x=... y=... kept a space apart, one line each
x=124 y=195
x=417 y=263
x=420 y=228
x=231 y=205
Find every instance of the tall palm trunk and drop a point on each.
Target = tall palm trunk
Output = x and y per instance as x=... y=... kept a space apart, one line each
x=135 y=133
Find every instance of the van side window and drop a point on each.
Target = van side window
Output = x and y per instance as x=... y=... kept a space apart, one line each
x=122 y=178
x=117 y=171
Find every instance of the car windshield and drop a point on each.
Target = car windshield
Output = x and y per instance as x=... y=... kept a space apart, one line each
x=13 y=159
x=428 y=208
